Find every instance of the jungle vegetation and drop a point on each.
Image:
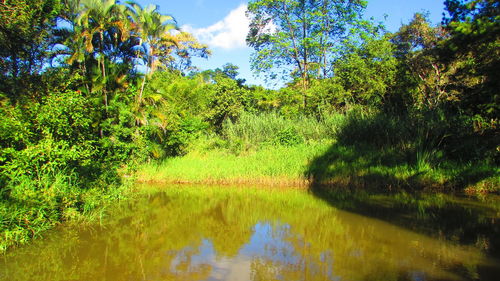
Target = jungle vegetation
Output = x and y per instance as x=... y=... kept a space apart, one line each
x=92 y=89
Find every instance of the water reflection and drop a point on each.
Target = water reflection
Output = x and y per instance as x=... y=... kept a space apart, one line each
x=200 y=233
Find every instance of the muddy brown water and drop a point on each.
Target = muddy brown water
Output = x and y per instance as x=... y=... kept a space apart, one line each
x=211 y=233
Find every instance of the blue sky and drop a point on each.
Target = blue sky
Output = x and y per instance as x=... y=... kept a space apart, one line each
x=222 y=25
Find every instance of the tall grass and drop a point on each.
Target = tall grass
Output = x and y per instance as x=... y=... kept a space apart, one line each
x=265 y=127
x=31 y=206
x=362 y=148
x=270 y=165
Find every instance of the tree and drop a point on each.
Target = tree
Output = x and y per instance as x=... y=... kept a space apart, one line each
x=417 y=47
x=179 y=58
x=153 y=29
x=473 y=47
x=161 y=41
x=226 y=100
x=100 y=20
x=25 y=29
x=366 y=73
x=300 y=37
x=98 y=17
x=230 y=70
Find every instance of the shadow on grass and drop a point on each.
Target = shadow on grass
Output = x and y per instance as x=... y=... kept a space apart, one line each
x=379 y=170
x=419 y=152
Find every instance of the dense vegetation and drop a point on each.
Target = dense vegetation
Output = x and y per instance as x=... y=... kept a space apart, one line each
x=90 y=89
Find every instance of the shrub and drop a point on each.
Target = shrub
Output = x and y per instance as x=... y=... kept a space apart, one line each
x=288 y=137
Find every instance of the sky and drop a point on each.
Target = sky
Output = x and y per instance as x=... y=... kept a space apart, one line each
x=223 y=26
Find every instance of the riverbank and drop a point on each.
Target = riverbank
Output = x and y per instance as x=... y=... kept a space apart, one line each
x=355 y=151
x=273 y=166
x=33 y=211
x=326 y=163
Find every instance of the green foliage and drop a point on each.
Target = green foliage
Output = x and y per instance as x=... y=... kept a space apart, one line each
x=287 y=137
x=432 y=135
x=230 y=70
x=410 y=104
x=452 y=67
x=367 y=73
x=64 y=116
x=255 y=130
x=300 y=37
x=175 y=115
x=363 y=148
x=226 y=101
x=291 y=101
x=269 y=165
x=473 y=50
x=182 y=96
x=32 y=206
x=179 y=139
x=24 y=35
x=327 y=96
x=52 y=151
x=421 y=151
x=66 y=131
x=13 y=128
x=421 y=72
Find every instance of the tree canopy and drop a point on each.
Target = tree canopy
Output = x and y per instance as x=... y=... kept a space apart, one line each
x=300 y=38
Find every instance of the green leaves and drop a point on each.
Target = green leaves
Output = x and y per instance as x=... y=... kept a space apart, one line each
x=225 y=101
x=65 y=116
x=299 y=37
x=25 y=30
x=474 y=28
x=288 y=137
x=368 y=72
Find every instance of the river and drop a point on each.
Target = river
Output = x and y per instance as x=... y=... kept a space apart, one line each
x=246 y=233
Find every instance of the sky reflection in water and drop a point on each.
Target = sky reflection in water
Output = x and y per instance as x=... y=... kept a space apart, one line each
x=200 y=233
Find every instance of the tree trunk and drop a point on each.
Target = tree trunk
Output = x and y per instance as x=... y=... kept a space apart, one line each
x=149 y=66
x=103 y=71
x=306 y=54
x=139 y=101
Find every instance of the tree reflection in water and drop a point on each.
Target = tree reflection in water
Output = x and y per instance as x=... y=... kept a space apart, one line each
x=214 y=233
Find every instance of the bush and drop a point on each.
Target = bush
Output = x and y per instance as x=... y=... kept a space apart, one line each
x=179 y=139
x=252 y=130
x=421 y=134
x=288 y=137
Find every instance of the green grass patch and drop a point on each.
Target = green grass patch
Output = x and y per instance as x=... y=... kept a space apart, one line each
x=323 y=163
x=360 y=150
x=276 y=165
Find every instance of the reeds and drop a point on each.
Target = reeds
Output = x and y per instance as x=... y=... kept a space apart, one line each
x=360 y=149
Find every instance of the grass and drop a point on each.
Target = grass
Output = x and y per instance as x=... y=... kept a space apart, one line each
x=361 y=150
x=272 y=165
x=330 y=164
x=29 y=207
x=254 y=129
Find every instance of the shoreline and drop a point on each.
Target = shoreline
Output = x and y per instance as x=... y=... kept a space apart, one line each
x=332 y=184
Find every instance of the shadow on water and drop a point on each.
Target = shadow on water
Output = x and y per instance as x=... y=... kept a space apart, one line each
x=380 y=171
x=223 y=233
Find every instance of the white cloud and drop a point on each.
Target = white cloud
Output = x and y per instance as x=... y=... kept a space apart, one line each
x=229 y=33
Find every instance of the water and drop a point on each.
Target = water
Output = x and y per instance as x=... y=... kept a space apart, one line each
x=218 y=233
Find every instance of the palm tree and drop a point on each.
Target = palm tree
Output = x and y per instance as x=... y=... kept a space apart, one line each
x=156 y=36
x=99 y=18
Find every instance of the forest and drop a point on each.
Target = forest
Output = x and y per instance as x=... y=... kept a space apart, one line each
x=96 y=95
